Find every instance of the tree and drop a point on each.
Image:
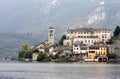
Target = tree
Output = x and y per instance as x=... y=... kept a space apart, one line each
x=35 y=51
x=24 y=46
x=21 y=54
x=25 y=52
x=56 y=56
x=62 y=39
x=112 y=55
x=42 y=56
x=28 y=54
x=117 y=31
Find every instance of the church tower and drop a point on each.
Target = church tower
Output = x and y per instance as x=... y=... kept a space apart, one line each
x=51 y=36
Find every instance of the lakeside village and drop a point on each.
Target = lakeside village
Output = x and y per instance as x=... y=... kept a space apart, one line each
x=78 y=45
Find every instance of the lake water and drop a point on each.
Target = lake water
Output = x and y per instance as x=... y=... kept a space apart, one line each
x=22 y=70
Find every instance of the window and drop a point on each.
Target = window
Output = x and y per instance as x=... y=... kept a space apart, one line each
x=75 y=46
x=105 y=35
x=51 y=31
x=104 y=48
x=102 y=36
x=99 y=53
x=81 y=41
x=90 y=36
x=51 y=35
x=96 y=48
x=91 y=51
x=89 y=41
x=96 y=36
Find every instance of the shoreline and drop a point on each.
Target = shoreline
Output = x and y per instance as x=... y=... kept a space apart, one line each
x=79 y=62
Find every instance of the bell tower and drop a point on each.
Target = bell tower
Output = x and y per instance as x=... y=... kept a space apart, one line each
x=51 y=36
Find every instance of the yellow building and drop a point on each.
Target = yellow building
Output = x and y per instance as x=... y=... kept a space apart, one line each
x=96 y=51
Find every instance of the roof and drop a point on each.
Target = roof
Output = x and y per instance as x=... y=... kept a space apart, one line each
x=51 y=28
x=98 y=46
x=84 y=48
x=54 y=45
x=78 y=43
x=61 y=48
x=116 y=43
x=88 y=29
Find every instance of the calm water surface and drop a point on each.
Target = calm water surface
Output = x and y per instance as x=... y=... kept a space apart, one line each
x=22 y=70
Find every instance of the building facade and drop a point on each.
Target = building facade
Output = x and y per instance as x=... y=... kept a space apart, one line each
x=114 y=49
x=34 y=56
x=79 y=48
x=95 y=51
x=89 y=35
x=87 y=41
x=67 y=42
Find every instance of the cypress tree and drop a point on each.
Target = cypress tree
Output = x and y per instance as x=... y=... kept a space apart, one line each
x=117 y=31
x=62 y=39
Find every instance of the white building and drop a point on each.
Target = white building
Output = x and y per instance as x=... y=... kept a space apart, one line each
x=79 y=48
x=88 y=35
x=67 y=42
x=88 y=40
x=34 y=56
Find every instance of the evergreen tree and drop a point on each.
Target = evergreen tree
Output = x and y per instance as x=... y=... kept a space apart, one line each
x=62 y=39
x=117 y=31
